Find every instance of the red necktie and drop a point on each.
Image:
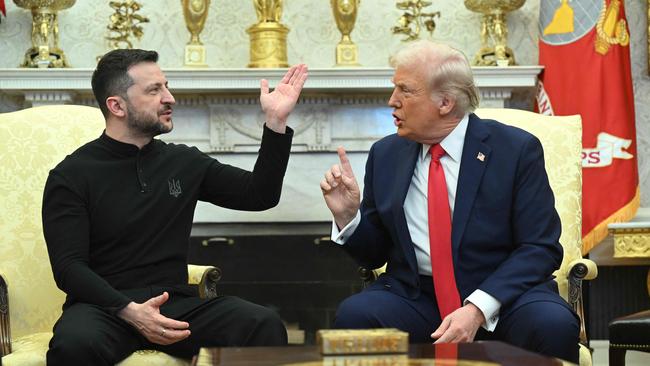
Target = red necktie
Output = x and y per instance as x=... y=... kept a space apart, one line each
x=442 y=266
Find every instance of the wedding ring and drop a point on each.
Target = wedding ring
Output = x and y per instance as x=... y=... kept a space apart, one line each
x=162 y=334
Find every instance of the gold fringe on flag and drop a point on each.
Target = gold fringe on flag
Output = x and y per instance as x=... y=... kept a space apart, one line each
x=599 y=232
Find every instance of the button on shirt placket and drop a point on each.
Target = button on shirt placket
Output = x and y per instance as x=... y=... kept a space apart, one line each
x=139 y=172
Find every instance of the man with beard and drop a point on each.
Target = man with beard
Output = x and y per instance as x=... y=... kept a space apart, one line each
x=117 y=215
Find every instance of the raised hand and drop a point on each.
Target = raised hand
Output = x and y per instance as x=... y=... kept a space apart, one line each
x=278 y=104
x=157 y=328
x=341 y=191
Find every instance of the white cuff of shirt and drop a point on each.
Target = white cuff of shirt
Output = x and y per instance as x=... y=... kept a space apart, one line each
x=340 y=237
x=488 y=305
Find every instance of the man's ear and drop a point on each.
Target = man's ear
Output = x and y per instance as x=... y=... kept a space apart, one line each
x=446 y=105
x=116 y=106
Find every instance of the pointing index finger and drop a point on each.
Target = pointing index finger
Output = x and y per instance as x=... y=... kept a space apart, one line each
x=345 y=162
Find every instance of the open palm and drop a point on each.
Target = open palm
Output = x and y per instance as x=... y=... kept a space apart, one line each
x=278 y=104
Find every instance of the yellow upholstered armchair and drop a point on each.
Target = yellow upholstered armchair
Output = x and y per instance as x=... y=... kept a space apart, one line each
x=33 y=141
x=561 y=139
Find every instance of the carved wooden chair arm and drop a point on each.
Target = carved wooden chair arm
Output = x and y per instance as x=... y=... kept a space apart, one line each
x=369 y=276
x=5 y=330
x=585 y=269
x=579 y=270
x=206 y=277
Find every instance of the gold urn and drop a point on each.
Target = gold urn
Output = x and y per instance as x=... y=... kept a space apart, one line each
x=45 y=51
x=345 y=14
x=268 y=47
x=494 y=31
x=195 y=13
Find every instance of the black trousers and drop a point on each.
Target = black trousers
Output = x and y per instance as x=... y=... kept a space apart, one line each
x=89 y=335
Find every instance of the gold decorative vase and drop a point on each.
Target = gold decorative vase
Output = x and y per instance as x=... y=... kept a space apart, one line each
x=45 y=51
x=345 y=14
x=195 y=12
x=268 y=36
x=494 y=31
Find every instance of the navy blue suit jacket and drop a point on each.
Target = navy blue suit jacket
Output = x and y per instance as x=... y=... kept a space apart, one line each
x=505 y=229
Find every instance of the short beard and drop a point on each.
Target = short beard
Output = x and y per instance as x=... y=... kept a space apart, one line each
x=143 y=124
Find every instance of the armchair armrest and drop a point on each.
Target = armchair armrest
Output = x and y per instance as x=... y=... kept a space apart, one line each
x=369 y=276
x=5 y=330
x=206 y=277
x=579 y=270
x=586 y=269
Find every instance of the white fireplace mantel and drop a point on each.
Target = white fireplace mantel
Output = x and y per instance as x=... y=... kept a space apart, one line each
x=218 y=111
x=52 y=86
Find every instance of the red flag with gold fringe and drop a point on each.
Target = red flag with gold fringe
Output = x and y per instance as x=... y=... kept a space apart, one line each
x=584 y=48
x=3 y=10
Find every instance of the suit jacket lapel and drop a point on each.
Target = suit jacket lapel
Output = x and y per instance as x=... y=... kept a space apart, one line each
x=405 y=160
x=476 y=156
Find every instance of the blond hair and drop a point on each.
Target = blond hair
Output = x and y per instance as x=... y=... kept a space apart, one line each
x=449 y=72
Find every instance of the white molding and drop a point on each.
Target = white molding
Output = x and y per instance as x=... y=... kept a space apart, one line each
x=48 y=97
x=510 y=77
x=18 y=80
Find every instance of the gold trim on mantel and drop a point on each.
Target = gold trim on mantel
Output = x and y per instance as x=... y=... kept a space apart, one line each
x=631 y=242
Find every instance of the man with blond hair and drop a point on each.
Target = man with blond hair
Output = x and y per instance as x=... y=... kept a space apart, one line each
x=461 y=210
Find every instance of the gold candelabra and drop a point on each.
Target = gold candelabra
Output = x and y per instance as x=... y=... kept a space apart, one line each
x=125 y=23
x=45 y=51
x=413 y=19
x=494 y=31
x=268 y=36
x=195 y=13
x=345 y=14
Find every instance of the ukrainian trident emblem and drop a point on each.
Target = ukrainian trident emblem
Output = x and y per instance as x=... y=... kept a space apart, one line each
x=174 y=187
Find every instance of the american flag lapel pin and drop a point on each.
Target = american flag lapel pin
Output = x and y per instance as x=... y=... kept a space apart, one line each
x=480 y=156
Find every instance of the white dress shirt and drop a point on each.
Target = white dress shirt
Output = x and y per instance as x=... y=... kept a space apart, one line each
x=416 y=211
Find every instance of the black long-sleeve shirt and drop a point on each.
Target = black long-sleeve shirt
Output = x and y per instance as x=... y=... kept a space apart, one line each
x=116 y=217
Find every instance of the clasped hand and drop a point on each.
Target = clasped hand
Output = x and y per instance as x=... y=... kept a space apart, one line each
x=157 y=328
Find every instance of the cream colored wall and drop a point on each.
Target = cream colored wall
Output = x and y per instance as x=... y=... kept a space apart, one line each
x=637 y=11
x=312 y=39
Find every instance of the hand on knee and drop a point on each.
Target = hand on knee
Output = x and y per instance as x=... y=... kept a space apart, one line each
x=157 y=328
x=460 y=326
